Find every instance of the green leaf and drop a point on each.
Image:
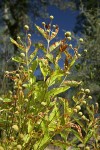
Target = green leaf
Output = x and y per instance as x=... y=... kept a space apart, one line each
x=32 y=55
x=18 y=59
x=40 y=46
x=21 y=47
x=88 y=136
x=54 y=78
x=30 y=126
x=77 y=135
x=34 y=65
x=71 y=83
x=50 y=57
x=72 y=62
x=44 y=33
x=6 y=100
x=56 y=91
x=55 y=45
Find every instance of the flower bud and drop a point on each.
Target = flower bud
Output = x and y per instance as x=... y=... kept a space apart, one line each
x=87 y=90
x=75 y=110
x=51 y=17
x=54 y=26
x=29 y=35
x=78 y=107
x=22 y=54
x=85 y=50
x=19 y=147
x=80 y=113
x=43 y=23
x=7 y=72
x=15 y=127
x=84 y=102
x=90 y=97
x=26 y=27
x=70 y=45
x=81 y=40
x=87 y=148
x=69 y=38
x=18 y=37
x=79 y=55
x=67 y=34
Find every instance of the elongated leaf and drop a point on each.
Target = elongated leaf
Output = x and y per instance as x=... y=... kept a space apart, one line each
x=71 y=83
x=88 y=136
x=56 y=91
x=18 y=59
x=44 y=33
x=72 y=61
x=21 y=47
x=6 y=100
x=40 y=46
x=54 y=46
x=77 y=135
x=34 y=65
x=50 y=57
x=32 y=55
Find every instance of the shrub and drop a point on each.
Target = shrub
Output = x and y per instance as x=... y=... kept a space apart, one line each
x=33 y=113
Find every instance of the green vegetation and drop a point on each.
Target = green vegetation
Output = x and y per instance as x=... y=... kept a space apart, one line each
x=33 y=113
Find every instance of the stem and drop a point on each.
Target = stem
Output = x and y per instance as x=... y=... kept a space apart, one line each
x=48 y=42
x=63 y=81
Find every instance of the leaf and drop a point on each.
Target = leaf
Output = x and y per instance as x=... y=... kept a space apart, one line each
x=6 y=100
x=18 y=59
x=40 y=46
x=21 y=47
x=71 y=83
x=34 y=65
x=53 y=34
x=55 y=45
x=44 y=33
x=30 y=126
x=77 y=135
x=56 y=91
x=32 y=55
x=88 y=136
x=72 y=62
x=50 y=57
x=54 y=78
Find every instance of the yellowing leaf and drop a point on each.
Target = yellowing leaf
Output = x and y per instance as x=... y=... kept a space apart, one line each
x=54 y=46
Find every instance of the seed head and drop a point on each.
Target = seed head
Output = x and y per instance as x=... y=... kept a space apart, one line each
x=78 y=107
x=22 y=54
x=51 y=17
x=15 y=128
x=79 y=55
x=90 y=97
x=87 y=148
x=87 y=90
x=54 y=26
x=29 y=35
x=75 y=110
x=85 y=50
x=70 y=45
x=67 y=34
x=18 y=37
x=81 y=40
x=26 y=27
x=19 y=147
x=84 y=102
x=43 y=23
x=80 y=113
x=69 y=38
x=7 y=72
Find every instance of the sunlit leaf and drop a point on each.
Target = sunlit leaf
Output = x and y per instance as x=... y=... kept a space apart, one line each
x=18 y=59
x=40 y=46
x=54 y=46
x=21 y=47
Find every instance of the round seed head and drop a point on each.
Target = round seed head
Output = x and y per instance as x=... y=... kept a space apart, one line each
x=87 y=90
x=18 y=37
x=22 y=54
x=67 y=34
x=51 y=17
x=80 y=113
x=26 y=27
x=90 y=97
x=19 y=147
x=70 y=45
x=81 y=40
x=29 y=35
x=15 y=128
x=78 y=107
x=69 y=38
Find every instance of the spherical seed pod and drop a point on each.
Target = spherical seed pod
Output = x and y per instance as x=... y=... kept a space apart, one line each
x=15 y=128
x=22 y=54
x=70 y=45
x=51 y=17
x=81 y=40
x=79 y=55
x=89 y=97
x=67 y=34
x=80 y=113
x=21 y=136
x=78 y=107
x=18 y=37
x=54 y=26
x=69 y=38
x=75 y=110
x=87 y=90
x=82 y=90
x=7 y=72
x=29 y=35
x=21 y=67
x=85 y=50
x=19 y=147
x=87 y=148
x=43 y=23
x=17 y=75
x=83 y=117
x=84 y=102
x=26 y=27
